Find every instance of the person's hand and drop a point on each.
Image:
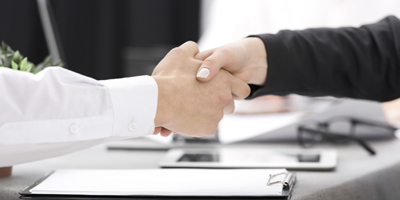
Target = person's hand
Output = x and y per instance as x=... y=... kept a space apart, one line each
x=391 y=110
x=187 y=106
x=246 y=59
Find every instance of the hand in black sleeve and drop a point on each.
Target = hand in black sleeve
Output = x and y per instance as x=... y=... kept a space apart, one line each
x=344 y=62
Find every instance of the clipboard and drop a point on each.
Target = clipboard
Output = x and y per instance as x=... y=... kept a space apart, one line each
x=284 y=180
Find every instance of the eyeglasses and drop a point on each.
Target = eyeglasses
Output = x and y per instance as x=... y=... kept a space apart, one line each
x=342 y=130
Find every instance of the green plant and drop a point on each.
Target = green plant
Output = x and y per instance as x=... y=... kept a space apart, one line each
x=13 y=59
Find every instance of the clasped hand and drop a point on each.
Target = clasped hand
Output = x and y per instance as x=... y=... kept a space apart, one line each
x=194 y=107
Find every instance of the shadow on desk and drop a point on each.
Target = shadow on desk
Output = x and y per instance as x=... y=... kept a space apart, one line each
x=382 y=184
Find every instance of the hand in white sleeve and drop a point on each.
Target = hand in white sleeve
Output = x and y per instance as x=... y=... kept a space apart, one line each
x=58 y=111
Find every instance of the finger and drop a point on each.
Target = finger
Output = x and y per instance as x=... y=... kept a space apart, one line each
x=211 y=65
x=230 y=108
x=190 y=47
x=165 y=132
x=239 y=88
x=204 y=54
x=157 y=130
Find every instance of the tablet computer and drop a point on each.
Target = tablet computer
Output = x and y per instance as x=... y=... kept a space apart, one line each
x=303 y=159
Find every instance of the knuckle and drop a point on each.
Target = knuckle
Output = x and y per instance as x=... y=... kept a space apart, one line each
x=177 y=51
x=226 y=51
x=173 y=50
x=191 y=43
x=210 y=61
x=224 y=77
x=190 y=46
x=225 y=98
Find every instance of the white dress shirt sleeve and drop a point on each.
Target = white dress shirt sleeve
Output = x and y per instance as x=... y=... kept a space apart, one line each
x=58 y=111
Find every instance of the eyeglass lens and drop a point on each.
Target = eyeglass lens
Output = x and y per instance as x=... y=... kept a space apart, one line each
x=308 y=138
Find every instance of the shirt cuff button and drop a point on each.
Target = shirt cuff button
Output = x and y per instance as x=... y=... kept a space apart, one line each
x=132 y=126
x=74 y=129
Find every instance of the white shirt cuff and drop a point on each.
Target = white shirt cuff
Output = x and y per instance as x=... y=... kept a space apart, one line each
x=135 y=104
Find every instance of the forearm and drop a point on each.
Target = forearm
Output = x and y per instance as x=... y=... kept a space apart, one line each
x=352 y=62
x=58 y=111
x=58 y=105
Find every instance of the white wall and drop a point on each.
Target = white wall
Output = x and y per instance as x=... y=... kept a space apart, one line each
x=225 y=21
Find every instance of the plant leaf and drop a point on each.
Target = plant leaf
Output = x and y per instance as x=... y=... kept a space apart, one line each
x=46 y=62
x=14 y=60
x=17 y=57
x=3 y=47
x=29 y=67
x=7 y=62
x=23 y=63
x=14 y=65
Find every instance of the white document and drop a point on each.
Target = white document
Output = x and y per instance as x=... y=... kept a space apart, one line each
x=169 y=182
x=236 y=127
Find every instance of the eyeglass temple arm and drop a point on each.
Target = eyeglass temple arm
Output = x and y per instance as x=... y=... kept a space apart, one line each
x=365 y=145
x=336 y=135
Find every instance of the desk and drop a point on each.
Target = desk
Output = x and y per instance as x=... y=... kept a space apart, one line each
x=357 y=176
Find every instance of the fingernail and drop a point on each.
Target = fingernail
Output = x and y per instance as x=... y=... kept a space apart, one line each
x=203 y=73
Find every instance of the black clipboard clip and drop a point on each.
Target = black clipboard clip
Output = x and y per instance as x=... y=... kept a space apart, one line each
x=287 y=182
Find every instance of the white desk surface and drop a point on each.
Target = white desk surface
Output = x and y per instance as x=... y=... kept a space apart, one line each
x=357 y=176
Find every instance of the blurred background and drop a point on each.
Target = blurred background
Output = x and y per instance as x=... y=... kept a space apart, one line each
x=109 y=39
x=103 y=39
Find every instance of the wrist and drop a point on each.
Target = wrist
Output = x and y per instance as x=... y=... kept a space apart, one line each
x=163 y=115
x=256 y=61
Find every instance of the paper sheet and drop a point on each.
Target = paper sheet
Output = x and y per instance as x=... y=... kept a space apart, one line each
x=236 y=127
x=177 y=182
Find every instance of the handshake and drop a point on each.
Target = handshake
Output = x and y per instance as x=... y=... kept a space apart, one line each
x=195 y=89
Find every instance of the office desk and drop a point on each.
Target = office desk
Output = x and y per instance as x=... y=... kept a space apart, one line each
x=357 y=176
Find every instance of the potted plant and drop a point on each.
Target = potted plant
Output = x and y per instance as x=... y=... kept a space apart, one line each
x=14 y=60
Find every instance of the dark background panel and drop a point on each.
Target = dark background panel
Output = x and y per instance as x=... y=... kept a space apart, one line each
x=94 y=33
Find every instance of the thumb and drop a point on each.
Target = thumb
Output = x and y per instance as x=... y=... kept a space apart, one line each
x=213 y=61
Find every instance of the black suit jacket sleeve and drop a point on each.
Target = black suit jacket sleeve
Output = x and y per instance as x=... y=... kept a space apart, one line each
x=359 y=62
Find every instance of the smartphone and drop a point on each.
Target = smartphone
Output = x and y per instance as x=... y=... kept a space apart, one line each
x=303 y=159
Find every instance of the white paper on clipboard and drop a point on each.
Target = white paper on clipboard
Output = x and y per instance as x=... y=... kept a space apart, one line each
x=174 y=182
